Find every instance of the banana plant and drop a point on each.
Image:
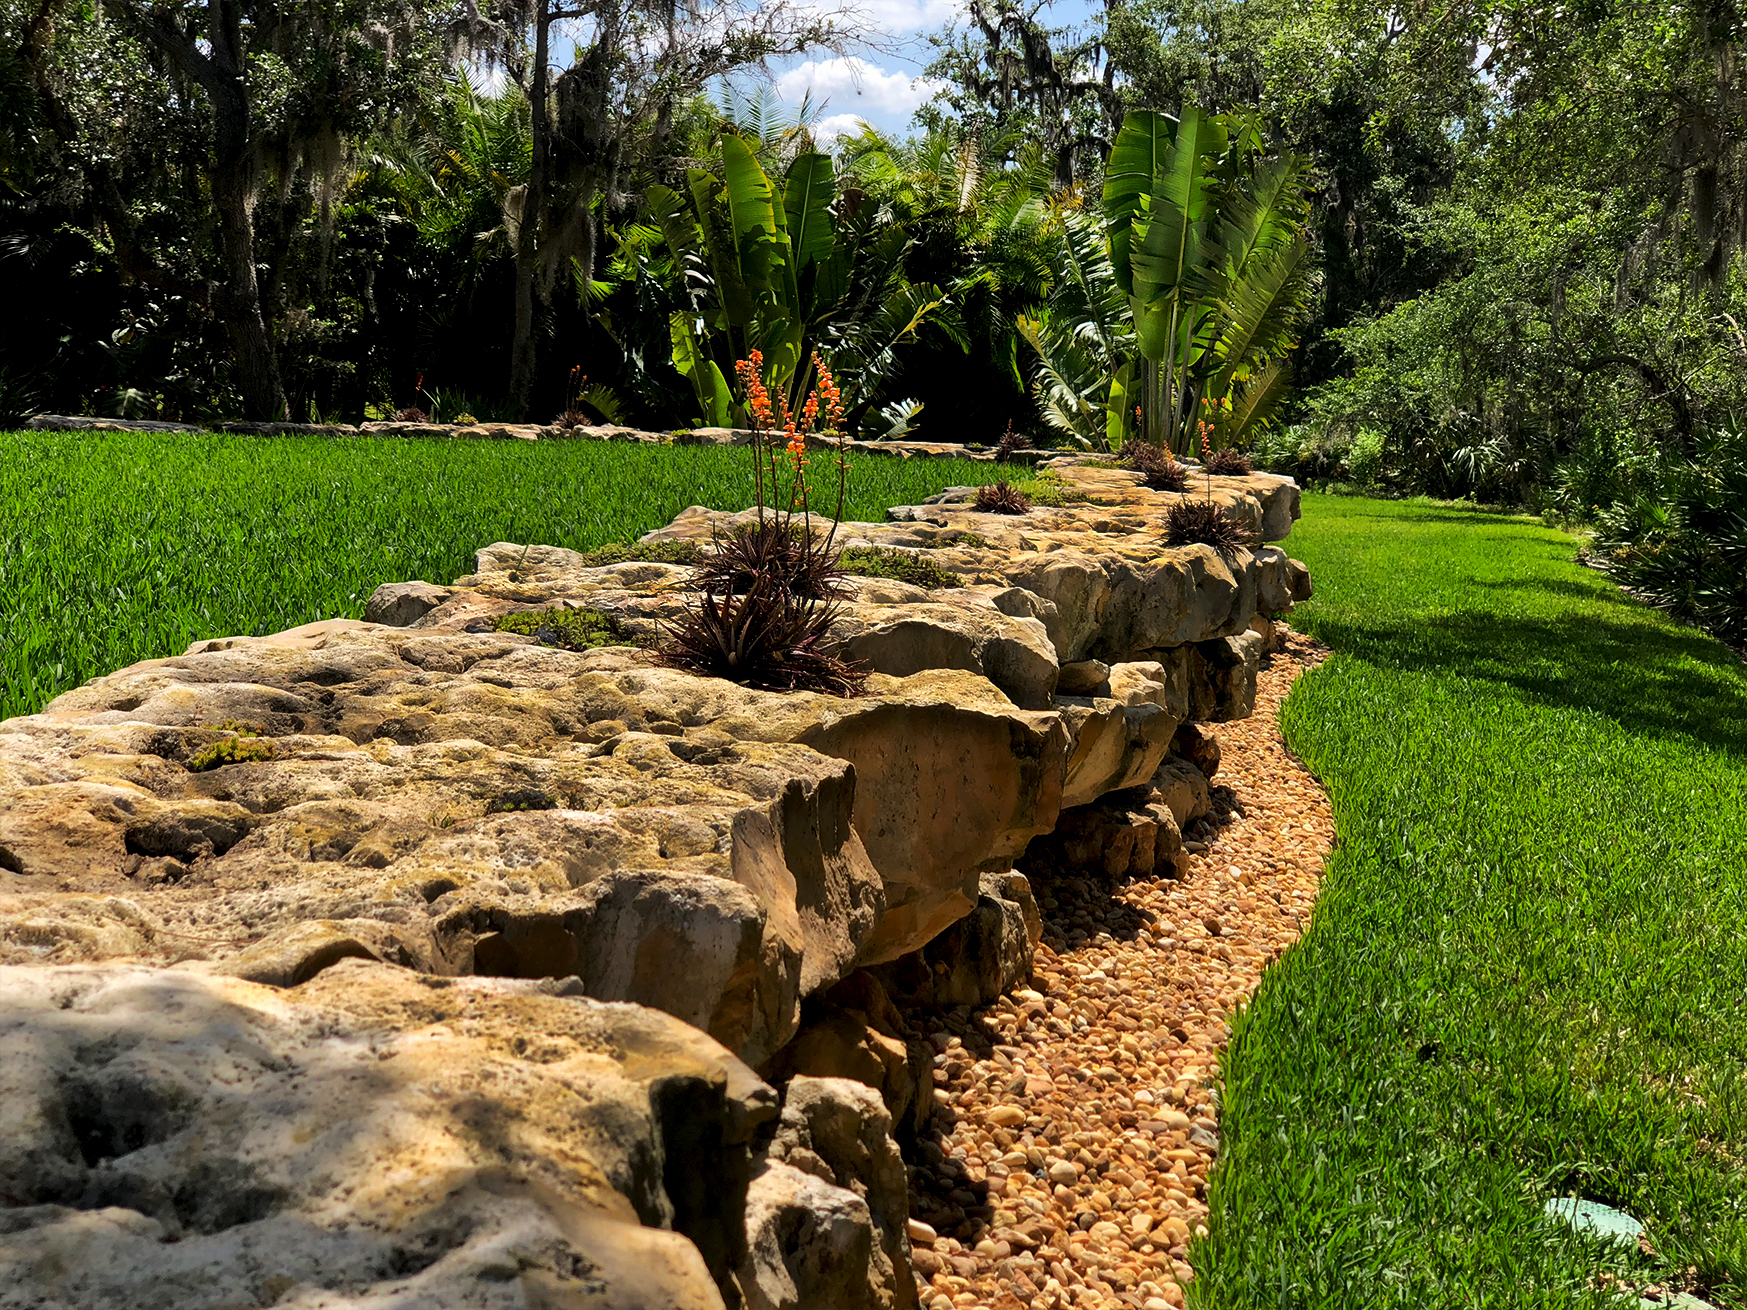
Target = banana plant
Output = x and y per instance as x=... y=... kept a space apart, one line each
x=1206 y=238
x=785 y=270
x=1174 y=318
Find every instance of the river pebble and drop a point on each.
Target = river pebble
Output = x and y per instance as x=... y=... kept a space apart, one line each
x=1079 y=1116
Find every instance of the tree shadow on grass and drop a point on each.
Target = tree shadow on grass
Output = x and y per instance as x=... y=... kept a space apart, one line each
x=1598 y=590
x=1647 y=677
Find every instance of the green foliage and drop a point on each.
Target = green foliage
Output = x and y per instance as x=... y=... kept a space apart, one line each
x=1049 y=488
x=1315 y=455
x=660 y=552
x=1522 y=977
x=914 y=568
x=786 y=271
x=127 y=547
x=1193 y=289
x=1679 y=538
x=579 y=629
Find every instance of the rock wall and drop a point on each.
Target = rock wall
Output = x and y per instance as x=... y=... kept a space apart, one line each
x=477 y=971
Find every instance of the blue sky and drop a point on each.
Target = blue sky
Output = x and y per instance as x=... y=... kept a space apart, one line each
x=884 y=86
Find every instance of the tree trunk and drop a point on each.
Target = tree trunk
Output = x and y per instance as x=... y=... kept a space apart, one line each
x=524 y=358
x=233 y=186
x=219 y=71
x=239 y=300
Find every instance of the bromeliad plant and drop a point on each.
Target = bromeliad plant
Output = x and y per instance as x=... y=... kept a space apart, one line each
x=767 y=596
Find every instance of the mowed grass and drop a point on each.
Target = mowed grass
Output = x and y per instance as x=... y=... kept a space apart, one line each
x=116 y=548
x=1527 y=972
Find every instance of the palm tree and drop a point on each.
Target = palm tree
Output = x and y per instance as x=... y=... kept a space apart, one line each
x=978 y=209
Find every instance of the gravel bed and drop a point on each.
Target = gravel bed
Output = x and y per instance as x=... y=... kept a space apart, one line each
x=1079 y=1116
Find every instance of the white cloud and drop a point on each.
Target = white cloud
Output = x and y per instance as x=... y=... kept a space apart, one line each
x=854 y=87
x=826 y=130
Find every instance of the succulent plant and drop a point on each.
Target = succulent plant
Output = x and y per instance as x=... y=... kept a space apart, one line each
x=1002 y=498
x=1192 y=522
x=1154 y=463
x=1228 y=463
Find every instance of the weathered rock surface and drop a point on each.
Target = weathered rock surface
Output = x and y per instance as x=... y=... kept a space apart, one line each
x=466 y=789
x=1222 y=677
x=1115 y=746
x=827 y=1216
x=373 y=1138
x=401 y=603
x=467 y=841
x=981 y=956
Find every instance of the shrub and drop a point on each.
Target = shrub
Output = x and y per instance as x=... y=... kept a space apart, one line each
x=1311 y=453
x=1002 y=498
x=763 y=637
x=780 y=550
x=901 y=566
x=1228 y=463
x=1192 y=522
x=465 y=420
x=1010 y=442
x=411 y=414
x=581 y=629
x=571 y=418
x=1681 y=541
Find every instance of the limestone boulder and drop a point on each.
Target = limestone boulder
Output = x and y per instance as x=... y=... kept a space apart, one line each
x=811 y=1243
x=1222 y=677
x=373 y=1137
x=1113 y=746
x=399 y=604
x=1121 y=837
x=467 y=841
x=838 y=1131
x=983 y=955
x=1163 y=682
x=1084 y=678
x=1199 y=745
x=1111 y=587
x=1182 y=789
x=854 y=1031
x=965 y=631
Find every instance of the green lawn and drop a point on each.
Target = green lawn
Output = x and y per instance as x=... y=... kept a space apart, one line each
x=1527 y=973
x=116 y=548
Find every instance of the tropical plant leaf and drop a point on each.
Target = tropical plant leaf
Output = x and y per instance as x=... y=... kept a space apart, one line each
x=709 y=386
x=808 y=192
x=1255 y=402
x=1136 y=158
x=761 y=238
x=1261 y=314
